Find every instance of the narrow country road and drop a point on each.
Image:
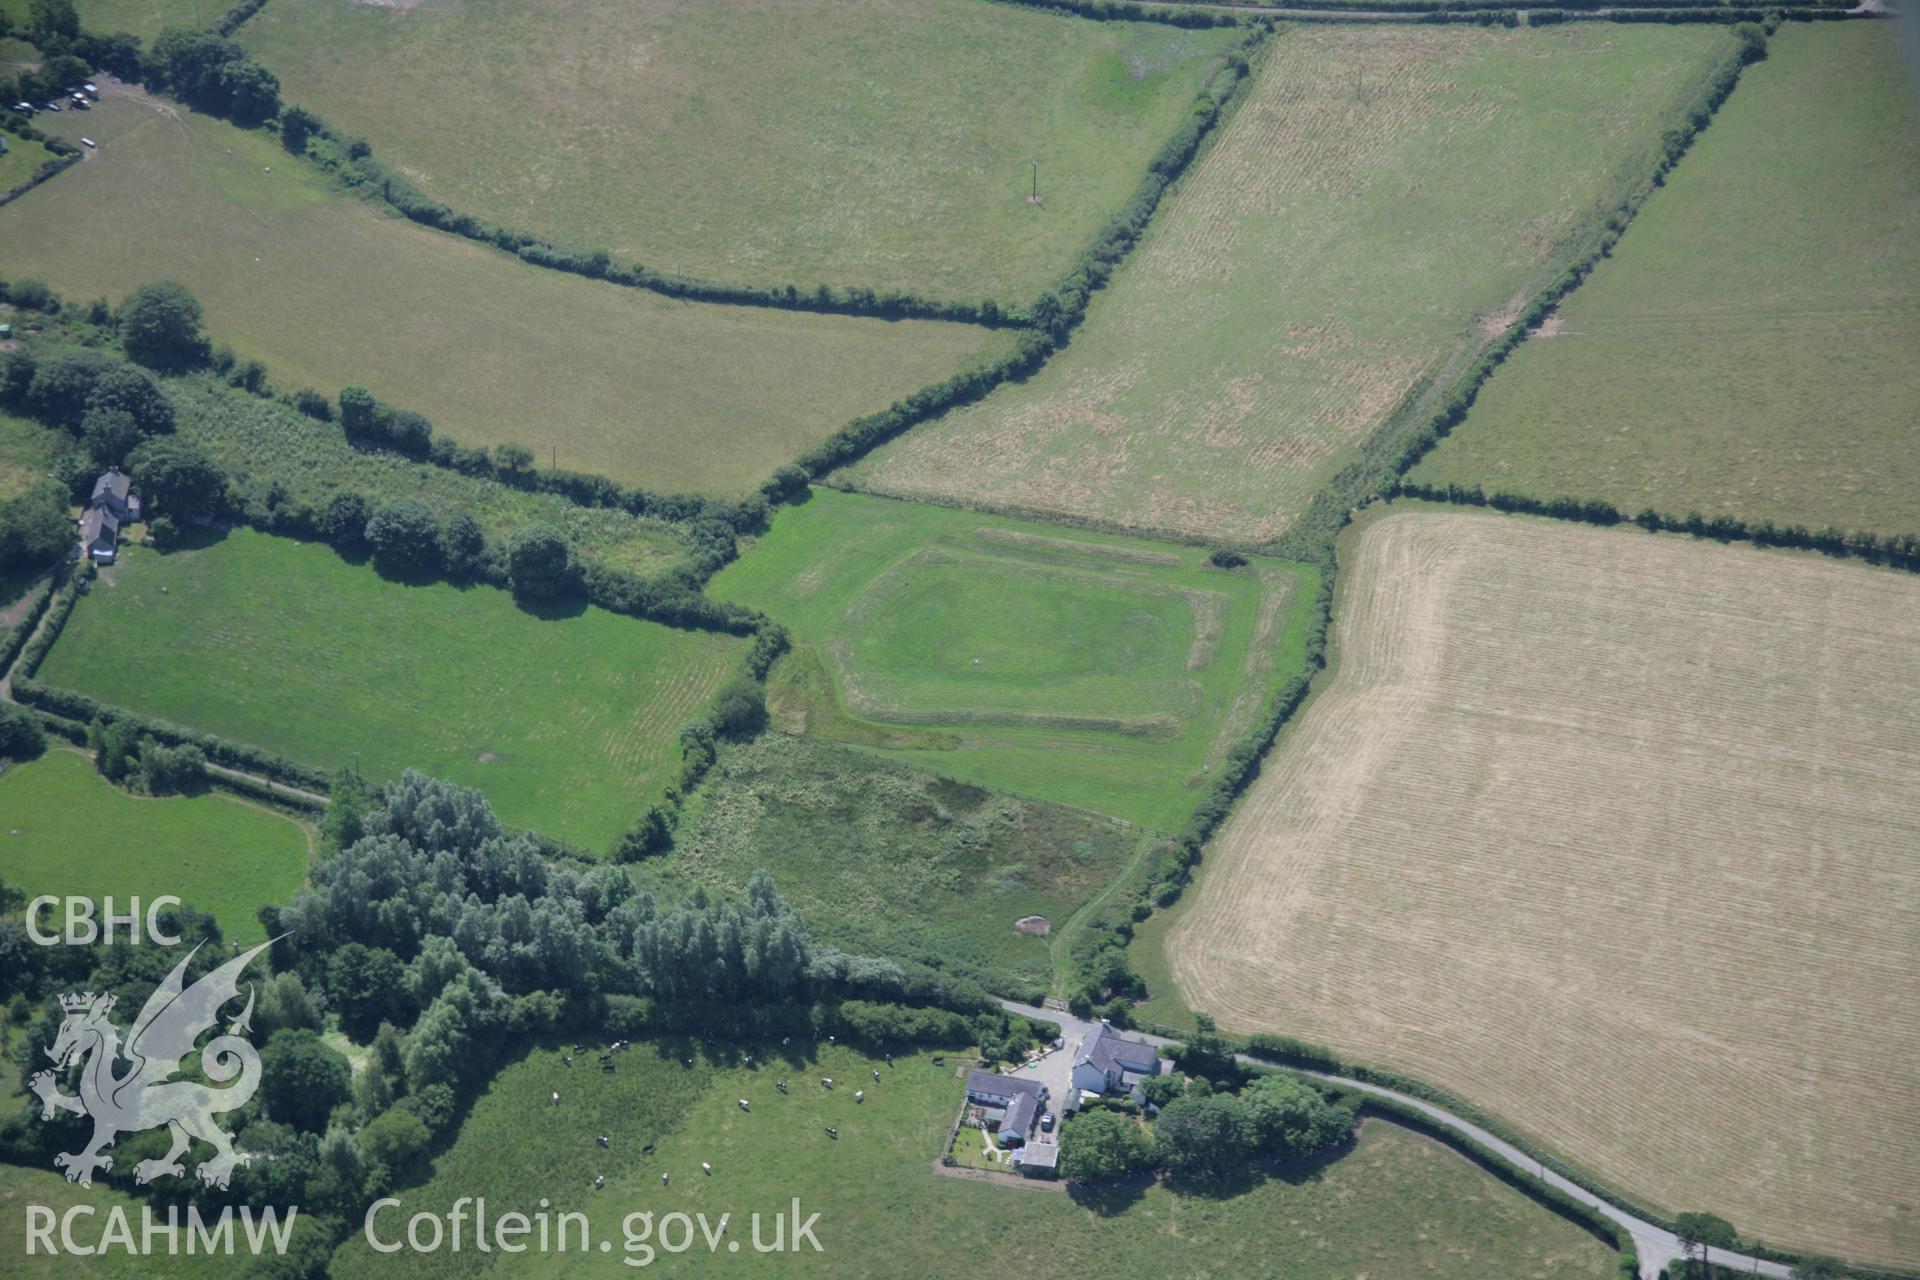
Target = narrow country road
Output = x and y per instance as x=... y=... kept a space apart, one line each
x=1657 y=1246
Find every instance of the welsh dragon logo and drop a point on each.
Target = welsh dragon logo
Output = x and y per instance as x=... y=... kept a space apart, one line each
x=145 y=1096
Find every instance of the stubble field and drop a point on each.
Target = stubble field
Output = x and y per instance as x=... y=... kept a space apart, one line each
x=568 y=724
x=883 y=143
x=1613 y=835
x=1752 y=347
x=329 y=292
x=1382 y=205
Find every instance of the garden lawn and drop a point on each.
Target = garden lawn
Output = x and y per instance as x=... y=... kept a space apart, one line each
x=882 y=143
x=569 y=724
x=1101 y=671
x=884 y=858
x=1383 y=200
x=1752 y=347
x=65 y=830
x=329 y=292
x=1397 y=1205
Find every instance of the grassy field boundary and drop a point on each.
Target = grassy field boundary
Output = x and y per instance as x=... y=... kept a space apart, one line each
x=1402 y=442
x=1128 y=11
x=1285 y=7
x=235 y=18
x=1060 y=310
x=351 y=161
x=46 y=173
x=1900 y=551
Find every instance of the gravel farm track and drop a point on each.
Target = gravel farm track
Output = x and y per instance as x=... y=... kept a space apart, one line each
x=1617 y=893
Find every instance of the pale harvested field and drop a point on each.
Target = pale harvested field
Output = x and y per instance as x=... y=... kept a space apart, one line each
x=1619 y=837
x=1382 y=204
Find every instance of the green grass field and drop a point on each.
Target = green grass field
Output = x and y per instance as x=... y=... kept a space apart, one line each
x=1101 y=671
x=27 y=450
x=329 y=292
x=23 y=158
x=884 y=143
x=47 y=1187
x=66 y=830
x=1397 y=1205
x=886 y=859
x=568 y=724
x=264 y=444
x=146 y=18
x=1380 y=207
x=1752 y=348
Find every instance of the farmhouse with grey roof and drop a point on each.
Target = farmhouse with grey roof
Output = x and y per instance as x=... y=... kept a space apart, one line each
x=1108 y=1062
x=1010 y=1102
x=111 y=505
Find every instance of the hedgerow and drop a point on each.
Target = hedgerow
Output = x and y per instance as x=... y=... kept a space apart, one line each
x=233 y=755
x=1394 y=449
x=353 y=162
x=1898 y=550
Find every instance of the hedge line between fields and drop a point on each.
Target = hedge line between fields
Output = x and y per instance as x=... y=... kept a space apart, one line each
x=1901 y=551
x=22 y=631
x=45 y=173
x=1128 y=11
x=1551 y=17
x=233 y=755
x=352 y=161
x=1059 y=310
x=1431 y=6
x=1162 y=877
x=77 y=706
x=235 y=18
x=1396 y=447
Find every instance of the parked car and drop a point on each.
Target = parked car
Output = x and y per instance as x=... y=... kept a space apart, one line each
x=23 y=108
x=1046 y=1122
x=53 y=106
x=89 y=142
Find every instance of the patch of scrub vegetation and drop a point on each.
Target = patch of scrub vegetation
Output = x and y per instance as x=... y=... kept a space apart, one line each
x=885 y=858
x=568 y=723
x=1752 y=347
x=28 y=452
x=1372 y=214
x=66 y=830
x=1093 y=669
x=328 y=292
x=1396 y=1204
x=278 y=456
x=877 y=143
